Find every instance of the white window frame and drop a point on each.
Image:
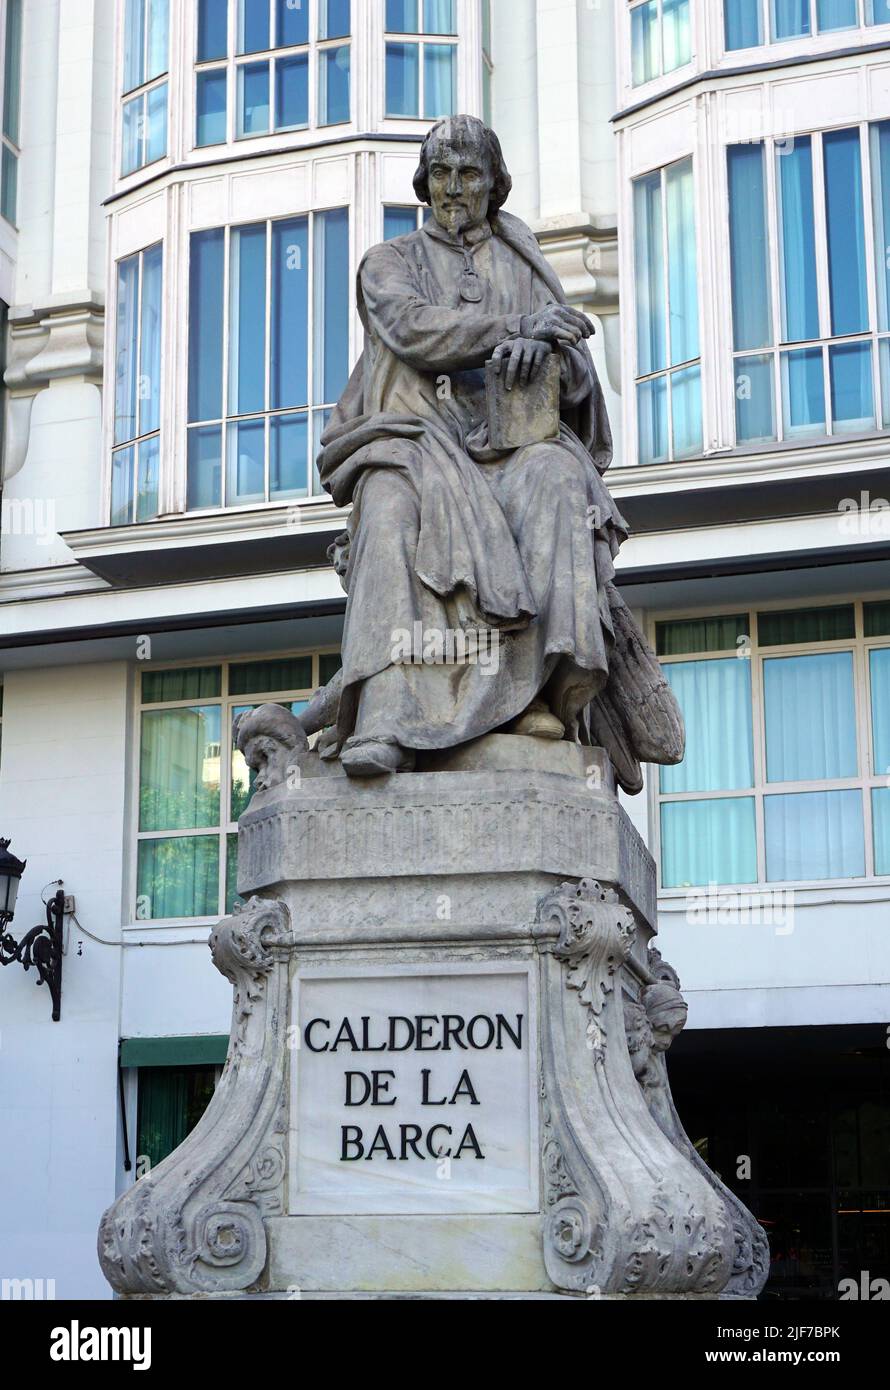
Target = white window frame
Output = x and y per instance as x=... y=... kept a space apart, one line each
x=868 y=776
x=138 y=439
x=141 y=92
x=862 y=29
x=420 y=39
x=638 y=91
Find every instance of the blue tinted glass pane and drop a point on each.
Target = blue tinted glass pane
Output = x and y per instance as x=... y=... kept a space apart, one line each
x=879 y=665
x=253 y=26
x=398 y=222
x=884 y=364
x=206 y=325
x=122 y=487
x=682 y=262
x=846 y=241
x=211 y=108
x=205 y=467
x=676 y=34
x=715 y=697
x=836 y=14
x=650 y=287
x=705 y=842
x=333 y=85
x=320 y=421
x=253 y=99
x=288 y=458
x=333 y=19
x=402 y=16
x=803 y=392
x=752 y=322
x=880 y=173
x=147 y=475
x=134 y=44
x=687 y=413
x=402 y=79
x=439 y=80
x=791 y=18
x=246 y=462
x=880 y=812
x=150 y=350
x=213 y=24
x=645 y=42
x=800 y=303
x=878 y=11
x=743 y=23
x=810 y=717
x=158 y=38
x=815 y=835
x=652 y=420
x=290 y=313
x=755 y=406
x=247 y=325
x=156 y=134
x=439 y=17
x=125 y=367
x=292 y=22
x=292 y=92
x=12 y=71
x=331 y=304
x=132 y=134
x=178 y=878
x=852 y=388
x=9 y=185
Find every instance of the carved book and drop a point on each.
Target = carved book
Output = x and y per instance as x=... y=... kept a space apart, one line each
x=526 y=414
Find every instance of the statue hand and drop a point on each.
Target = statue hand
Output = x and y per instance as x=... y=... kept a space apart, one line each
x=524 y=358
x=557 y=324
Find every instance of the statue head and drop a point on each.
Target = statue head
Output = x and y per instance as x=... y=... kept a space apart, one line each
x=462 y=174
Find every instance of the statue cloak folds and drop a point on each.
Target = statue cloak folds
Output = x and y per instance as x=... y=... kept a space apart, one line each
x=446 y=534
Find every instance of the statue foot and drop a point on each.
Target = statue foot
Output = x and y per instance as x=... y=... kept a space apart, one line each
x=538 y=722
x=368 y=757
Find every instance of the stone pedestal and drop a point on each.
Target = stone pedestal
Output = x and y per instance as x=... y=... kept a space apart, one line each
x=446 y=1072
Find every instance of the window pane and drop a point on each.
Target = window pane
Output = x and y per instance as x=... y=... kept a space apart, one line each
x=715 y=697
x=204 y=467
x=149 y=391
x=878 y=11
x=292 y=92
x=687 y=412
x=852 y=388
x=232 y=873
x=846 y=240
x=880 y=814
x=781 y=629
x=884 y=366
x=125 y=384
x=791 y=18
x=331 y=361
x=880 y=174
x=879 y=666
x=213 y=24
x=253 y=26
x=681 y=262
x=652 y=421
x=158 y=38
x=683 y=635
x=402 y=79
x=803 y=392
x=333 y=85
x=243 y=777
x=676 y=34
x=644 y=38
x=290 y=313
x=398 y=222
x=288 y=461
x=704 y=842
x=328 y=666
x=743 y=26
x=267 y=677
x=439 y=17
x=253 y=99
x=814 y=835
x=810 y=716
x=320 y=421
x=178 y=878
x=206 y=325
x=291 y=23
x=877 y=619
x=247 y=320
x=12 y=79
x=134 y=43
x=333 y=19
x=402 y=16
x=122 y=487
x=179 y=768
x=147 y=479
x=184 y=683
x=650 y=278
x=9 y=185
x=836 y=14
x=156 y=133
x=752 y=320
x=132 y=134
x=800 y=304
x=246 y=467
x=755 y=405
x=211 y=103
x=439 y=80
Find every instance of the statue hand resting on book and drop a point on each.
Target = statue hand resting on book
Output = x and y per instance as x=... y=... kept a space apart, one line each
x=471 y=442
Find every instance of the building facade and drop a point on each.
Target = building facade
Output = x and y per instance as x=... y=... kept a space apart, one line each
x=186 y=190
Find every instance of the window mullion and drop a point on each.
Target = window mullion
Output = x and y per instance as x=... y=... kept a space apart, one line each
x=227 y=347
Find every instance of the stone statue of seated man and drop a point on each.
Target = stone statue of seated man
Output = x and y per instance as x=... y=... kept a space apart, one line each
x=479 y=573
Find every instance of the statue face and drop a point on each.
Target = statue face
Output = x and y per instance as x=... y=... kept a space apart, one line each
x=460 y=180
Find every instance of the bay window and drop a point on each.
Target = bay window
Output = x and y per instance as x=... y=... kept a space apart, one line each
x=135 y=454
x=810 y=315
x=668 y=376
x=785 y=778
x=268 y=355
x=748 y=22
x=145 y=84
x=12 y=102
x=270 y=65
x=421 y=58
x=660 y=38
x=194 y=784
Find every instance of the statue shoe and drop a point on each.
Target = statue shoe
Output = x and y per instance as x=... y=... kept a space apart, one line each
x=369 y=757
x=538 y=722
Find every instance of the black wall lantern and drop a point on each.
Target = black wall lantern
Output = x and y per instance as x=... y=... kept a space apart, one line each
x=42 y=946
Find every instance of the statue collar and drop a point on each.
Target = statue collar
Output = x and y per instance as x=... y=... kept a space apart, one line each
x=472 y=238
